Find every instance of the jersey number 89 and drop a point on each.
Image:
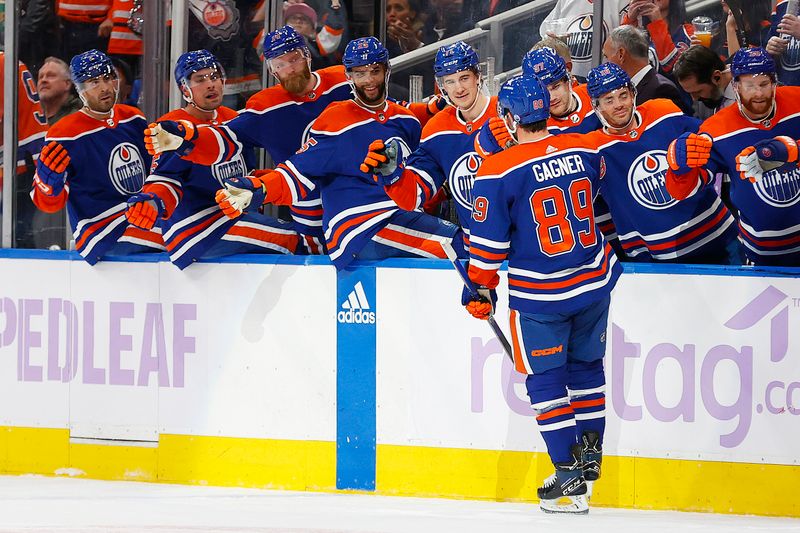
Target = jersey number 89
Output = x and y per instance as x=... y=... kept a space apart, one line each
x=551 y=209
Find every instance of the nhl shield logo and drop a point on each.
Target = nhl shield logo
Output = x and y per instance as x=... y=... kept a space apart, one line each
x=126 y=169
x=647 y=180
x=780 y=188
x=462 y=175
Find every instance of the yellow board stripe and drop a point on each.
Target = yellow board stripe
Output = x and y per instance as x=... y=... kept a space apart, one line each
x=634 y=482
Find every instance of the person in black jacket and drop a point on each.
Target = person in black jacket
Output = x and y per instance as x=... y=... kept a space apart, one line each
x=628 y=48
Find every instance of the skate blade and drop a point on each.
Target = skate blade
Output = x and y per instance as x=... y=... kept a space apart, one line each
x=575 y=505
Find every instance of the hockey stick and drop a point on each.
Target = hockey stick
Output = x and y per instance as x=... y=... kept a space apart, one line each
x=453 y=257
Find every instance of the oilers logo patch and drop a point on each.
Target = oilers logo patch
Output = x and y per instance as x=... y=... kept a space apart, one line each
x=579 y=37
x=126 y=169
x=462 y=175
x=234 y=168
x=780 y=188
x=647 y=180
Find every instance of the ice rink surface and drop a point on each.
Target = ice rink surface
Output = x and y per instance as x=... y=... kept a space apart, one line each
x=32 y=503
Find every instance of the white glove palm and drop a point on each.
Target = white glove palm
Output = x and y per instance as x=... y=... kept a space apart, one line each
x=749 y=166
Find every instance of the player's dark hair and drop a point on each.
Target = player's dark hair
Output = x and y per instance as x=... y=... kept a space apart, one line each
x=533 y=127
x=698 y=61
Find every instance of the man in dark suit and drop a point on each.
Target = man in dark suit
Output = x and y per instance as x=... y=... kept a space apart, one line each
x=627 y=47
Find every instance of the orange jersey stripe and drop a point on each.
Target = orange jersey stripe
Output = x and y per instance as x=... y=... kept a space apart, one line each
x=568 y=282
x=182 y=236
x=287 y=241
x=566 y=410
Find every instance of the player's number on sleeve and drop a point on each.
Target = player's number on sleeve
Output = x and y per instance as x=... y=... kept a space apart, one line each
x=551 y=208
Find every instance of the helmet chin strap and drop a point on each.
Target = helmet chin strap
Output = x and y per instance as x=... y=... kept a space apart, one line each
x=385 y=95
x=190 y=100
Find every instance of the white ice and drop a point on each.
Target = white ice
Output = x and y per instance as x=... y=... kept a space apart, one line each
x=33 y=503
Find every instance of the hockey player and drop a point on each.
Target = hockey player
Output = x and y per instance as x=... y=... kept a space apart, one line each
x=445 y=157
x=769 y=208
x=533 y=205
x=571 y=108
x=179 y=195
x=277 y=119
x=94 y=160
x=650 y=223
x=360 y=220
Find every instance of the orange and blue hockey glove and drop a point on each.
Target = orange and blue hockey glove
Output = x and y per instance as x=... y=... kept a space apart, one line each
x=382 y=162
x=51 y=169
x=766 y=155
x=144 y=209
x=493 y=137
x=436 y=103
x=689 y=151
x=239 y=194
x=481 y=307
x=170 y=135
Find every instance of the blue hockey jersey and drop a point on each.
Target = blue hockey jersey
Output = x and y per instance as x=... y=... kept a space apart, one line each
x=769 y=211
x=533 y=204
x=446 y=153
x=279 y=122
x=108 y=164
x=355 y=208
x=194 y=221
x=650 y=223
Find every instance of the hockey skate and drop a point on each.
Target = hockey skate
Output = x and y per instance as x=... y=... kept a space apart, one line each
x=565 y=490
x=592 y=457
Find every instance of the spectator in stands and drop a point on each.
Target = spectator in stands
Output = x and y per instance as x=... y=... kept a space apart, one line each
x=445 y=18
x=56 y=92
x=627 y=47
x=784 y=44
x=568 y=20
x=704 y=76
x=123 y=41
x=404 y=23
x=665 y=21
x=37 y=32
x=80 y=25
x=755 y=16
x=322 y=44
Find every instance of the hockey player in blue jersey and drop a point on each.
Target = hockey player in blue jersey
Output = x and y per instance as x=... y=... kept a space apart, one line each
x=278 y=119
x=360 y=219
x=533 y=205
x=571 y=108
x=446 y=157
x=178 y=195
x=93 y=162
x=651 y=224
x=731 y=141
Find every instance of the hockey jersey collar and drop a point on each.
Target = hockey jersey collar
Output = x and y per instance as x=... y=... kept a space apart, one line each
x=470 y=126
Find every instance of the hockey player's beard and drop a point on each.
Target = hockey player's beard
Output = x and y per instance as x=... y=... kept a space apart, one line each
x=297 y=83
x=372 y=102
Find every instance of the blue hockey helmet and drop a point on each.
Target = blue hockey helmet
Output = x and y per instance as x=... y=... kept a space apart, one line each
x=90 y=64
x=525 y=98
x=190 y=62
x=545 y=64
x=282 y=41
x=454 y=58
x=752 y=61
x=364 y=51
x=605 y=78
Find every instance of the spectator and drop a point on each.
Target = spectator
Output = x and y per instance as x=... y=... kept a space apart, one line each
x=665 y=21
x=627 y=47
x=56 y=93
x=755 y=15
x=403 y=26
x=80 y=25
x=568 y=20
x=322 y=44
x=445 y=18
x=704 y=76
x=37 y=29
x=125 y=39
x=784 y=44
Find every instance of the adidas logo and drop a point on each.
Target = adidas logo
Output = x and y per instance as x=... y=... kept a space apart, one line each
x=355 y=308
